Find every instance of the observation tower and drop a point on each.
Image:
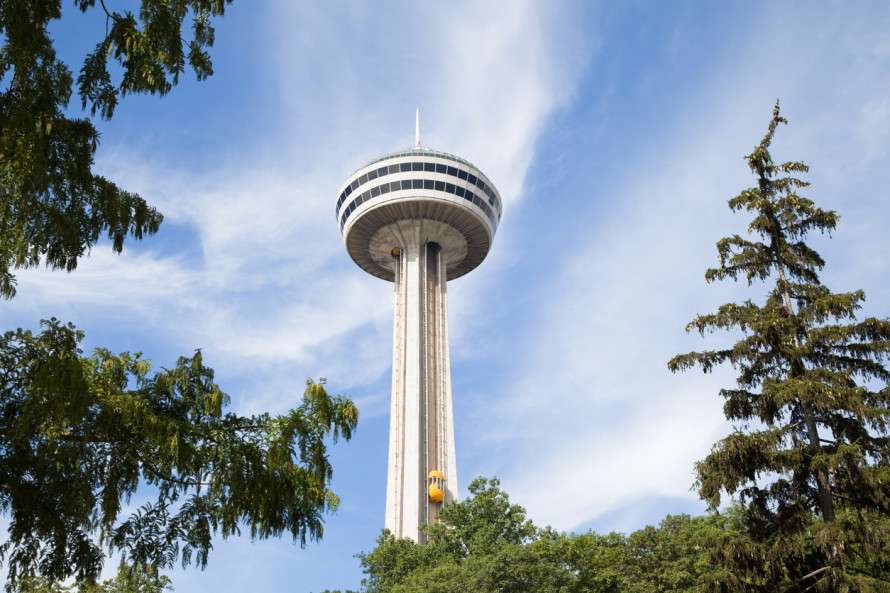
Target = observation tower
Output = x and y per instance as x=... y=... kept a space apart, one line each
x=418 y=218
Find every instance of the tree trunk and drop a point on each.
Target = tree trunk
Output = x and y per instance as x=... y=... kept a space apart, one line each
x=826 y=504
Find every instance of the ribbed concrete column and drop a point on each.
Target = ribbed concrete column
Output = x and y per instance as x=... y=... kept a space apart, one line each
x=421 y=426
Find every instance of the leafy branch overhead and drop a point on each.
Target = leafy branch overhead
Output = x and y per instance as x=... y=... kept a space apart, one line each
x=79 y=435
x=150 y=50
x=811 y=399
x=53 y=207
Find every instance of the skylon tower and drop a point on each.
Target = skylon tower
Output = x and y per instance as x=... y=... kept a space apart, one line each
x=418 y=218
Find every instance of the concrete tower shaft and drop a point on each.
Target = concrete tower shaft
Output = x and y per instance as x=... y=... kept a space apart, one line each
x=419 y=218
x=421 y=425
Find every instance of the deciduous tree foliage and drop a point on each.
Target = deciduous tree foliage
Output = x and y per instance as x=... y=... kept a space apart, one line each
x=130 y=579
x=478 y=544
x=79 y=434
x=52 y=206
x=485 y=544
x=809 y=455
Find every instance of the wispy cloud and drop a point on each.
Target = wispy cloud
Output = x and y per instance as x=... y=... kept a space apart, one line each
x=588 y=416
x=615 y=135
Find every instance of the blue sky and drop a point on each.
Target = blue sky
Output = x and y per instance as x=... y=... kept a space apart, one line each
x=615 y=133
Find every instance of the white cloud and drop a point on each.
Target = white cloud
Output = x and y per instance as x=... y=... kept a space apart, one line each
x=591 y=418
x=562 y=336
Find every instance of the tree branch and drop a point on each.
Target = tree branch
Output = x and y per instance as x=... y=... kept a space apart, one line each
x=845 y=497
x=167 y=477
x=111 y=16
x=807 y=576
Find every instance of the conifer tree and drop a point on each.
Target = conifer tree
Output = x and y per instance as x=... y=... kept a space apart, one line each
x=809 y=452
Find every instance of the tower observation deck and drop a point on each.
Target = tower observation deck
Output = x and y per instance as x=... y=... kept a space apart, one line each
x=418 y=218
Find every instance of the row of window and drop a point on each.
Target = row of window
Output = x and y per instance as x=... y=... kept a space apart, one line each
x=417 y=184
x=425 y=152
x=428 y=167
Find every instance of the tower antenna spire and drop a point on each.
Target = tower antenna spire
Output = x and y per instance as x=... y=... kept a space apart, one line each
x=417 y=128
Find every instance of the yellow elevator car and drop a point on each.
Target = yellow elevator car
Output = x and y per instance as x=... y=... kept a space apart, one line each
x=437 y=486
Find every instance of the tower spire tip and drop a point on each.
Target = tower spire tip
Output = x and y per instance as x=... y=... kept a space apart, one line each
x=417 y=128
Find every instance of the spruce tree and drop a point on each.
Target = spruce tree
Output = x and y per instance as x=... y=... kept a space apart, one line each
x=808 y=455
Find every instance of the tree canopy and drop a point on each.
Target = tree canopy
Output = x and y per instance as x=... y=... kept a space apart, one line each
x=53 y=207
x=486 y=544
x=138 y=578
x=809 y=454
x=83 y=436
x=79 y=434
